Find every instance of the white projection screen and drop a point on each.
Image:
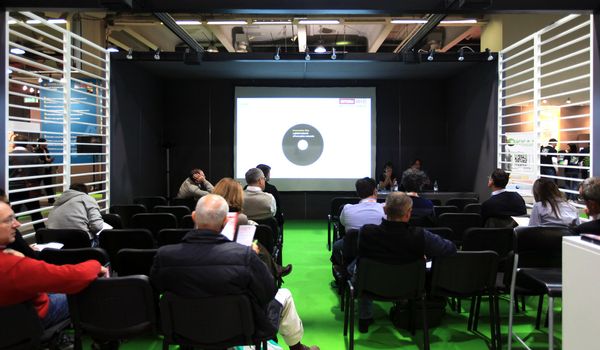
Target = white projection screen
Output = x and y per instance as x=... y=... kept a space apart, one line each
x=314 y=139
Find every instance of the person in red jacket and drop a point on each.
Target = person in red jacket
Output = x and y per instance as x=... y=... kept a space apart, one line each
x=23 y=279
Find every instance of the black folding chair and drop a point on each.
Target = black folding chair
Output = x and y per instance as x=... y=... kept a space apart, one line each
x=69 y=237
x=113 y=220
x=187 y=222
x=73 y=256
x=264 y=235
x=150 y=201
x=334 y=214
x=460 y=203
x=442 y=209
x=380 y=281
x=209 y=323
x=459 y=222
x=154 y=222
x=188 y=202
x=126 y=211
x=178 y=210
x=134 y=261
x=472 y=208
x=116 y=308
x=171 y=236
x=469 y=274
x=114 y=240
x=444 y=232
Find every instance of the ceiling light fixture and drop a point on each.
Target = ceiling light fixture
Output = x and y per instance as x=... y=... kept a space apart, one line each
x=277 y=57
x=333 y=55
x=31 y=89
x=319 y=21
x=320 y=49
x=408 y=21
x=461 y=52
x=307 y=57
x=9 y=71
x=24 y=88
x=17 y=51
x=33 y=21
x=430 y=57
x=40 y=80
x=57 y=21
x=224 y=22
x=212 y=47
x=568 y=101
x=129 y=54
x=544 y=101
x=157 y=54
x=12 y=21
x=489 y=57
x=459 y=21
x=259 y=22
x=188 y=22
x=112 y=49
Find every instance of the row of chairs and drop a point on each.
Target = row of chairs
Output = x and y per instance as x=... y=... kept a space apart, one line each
x=134 y=215
x=119 y=308
x=153 y=201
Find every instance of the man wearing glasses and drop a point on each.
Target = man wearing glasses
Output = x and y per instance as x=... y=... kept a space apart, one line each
x=258 y=205
x=589 y=192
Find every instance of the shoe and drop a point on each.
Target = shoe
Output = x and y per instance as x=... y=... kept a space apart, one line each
x=285 y=270
x=364 y=323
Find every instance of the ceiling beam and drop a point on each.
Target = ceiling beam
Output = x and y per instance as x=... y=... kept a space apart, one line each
x=118 y=43
x=464 y=35
x=420 y=33
x=139 y=37
x=181 y=33
x=375 y=43
x=223 y=37
x=302 y=38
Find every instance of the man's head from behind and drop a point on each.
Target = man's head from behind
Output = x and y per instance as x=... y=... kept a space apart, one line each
x=211 y=212
x=266 y=170
x=255 y=177
x=8 y=224
x=412 y=180
x=590 y=192
x=79 y=187
x=498 y=179
x=398 y=207
x=366 y=187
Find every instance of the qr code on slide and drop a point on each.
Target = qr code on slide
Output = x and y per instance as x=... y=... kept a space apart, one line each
x=520 y=158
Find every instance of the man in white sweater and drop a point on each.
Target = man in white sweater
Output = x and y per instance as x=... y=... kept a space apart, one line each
x=258 y=205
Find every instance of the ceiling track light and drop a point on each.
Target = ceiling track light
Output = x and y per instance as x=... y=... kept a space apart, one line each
x=489 y=55
x=461 y=52
x=307 y=57
x=212 y=47
x=430 y=57
x=129 y=54
x=333 y=55
x=277 y=57
x=157 y=54
x=568 y=101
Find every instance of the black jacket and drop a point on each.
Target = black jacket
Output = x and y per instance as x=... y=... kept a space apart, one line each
x=208 y=264
x=503 y=205
x=592 y=226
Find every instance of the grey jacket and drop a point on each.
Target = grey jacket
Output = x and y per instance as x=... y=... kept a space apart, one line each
x=190 y=189
x=76 y=210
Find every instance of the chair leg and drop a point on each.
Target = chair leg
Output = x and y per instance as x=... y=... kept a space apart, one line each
x=425 y=325
x=523 y=305
x=497 y=314
x=538 y=318
x=477 y=309
x=77 y=345
x=328 y=235
x=165 y=344
x=351 y=304
x=412 y=317
x=346 y=312
x=471 y=313
x=550 y=323
x=492 y=310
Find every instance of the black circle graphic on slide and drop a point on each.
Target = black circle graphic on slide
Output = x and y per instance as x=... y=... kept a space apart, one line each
x=302 y=144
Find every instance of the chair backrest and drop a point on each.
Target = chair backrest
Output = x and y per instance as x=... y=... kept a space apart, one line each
x=150 y=201
x=442 y=209
x=134 y=261
x=114 y=240
x=540 y=246
x=188 y=202
x=264 y=235
x=350 y=248
x=187 y=222
x=69 y=237
x=73 y=256
x=113 y=220
x=444 y=232
x=338 y=202
x=114 y=308
x=154 y=221
x=126 y=211
x=499 y=240
x=436 y=201
x=460 y=203
x=472 y=208
x=421 y=221
x=178 y=210
x=211 y=322
x=464 y=273
x=272 y=223
x=459 y=222
x=168 y=236
x=21 y=327
x=390 y=282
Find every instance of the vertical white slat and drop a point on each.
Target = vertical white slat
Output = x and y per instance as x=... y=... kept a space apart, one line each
x=537 y=86
x=67 y=112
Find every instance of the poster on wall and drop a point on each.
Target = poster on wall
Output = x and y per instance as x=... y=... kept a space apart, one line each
x=521 y=150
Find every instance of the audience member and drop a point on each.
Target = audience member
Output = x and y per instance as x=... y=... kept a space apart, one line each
x=572 y=161
x=208 y=264
x=257 y=203
x=387 y=180
x=45 y=158
x=269 y=188
x=551 y=208
x=502 y=204
x=395 y=242
x=195 y=186
x=75 y=209
x=19 y=244
x=27 y=165
x=24 y=279
x=547 y=166
x=412 y=182
x=590 y=194
x=415 y=169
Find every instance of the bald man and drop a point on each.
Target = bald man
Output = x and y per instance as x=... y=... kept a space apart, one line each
x=206 y=263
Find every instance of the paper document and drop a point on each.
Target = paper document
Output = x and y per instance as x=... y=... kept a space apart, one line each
x=521 y=220
x=52 y=245
x=245 y=234
x=229 y=229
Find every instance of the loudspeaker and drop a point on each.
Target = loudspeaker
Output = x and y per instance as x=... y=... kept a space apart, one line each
x=89 y=148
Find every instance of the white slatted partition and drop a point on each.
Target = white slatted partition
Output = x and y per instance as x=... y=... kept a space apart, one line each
x=545 y=92
x=58 y=89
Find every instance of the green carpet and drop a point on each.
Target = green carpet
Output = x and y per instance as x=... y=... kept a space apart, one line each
x=318 y=305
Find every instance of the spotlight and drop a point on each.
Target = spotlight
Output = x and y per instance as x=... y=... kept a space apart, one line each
x=112 y=49
x=277 y=57
x=544 y=101
x=24 y=88
x=320 y=49
x=307 y=57
x=17 y=51
x=157 y=54
x=568 y=101
x=212 y=47
x=31 y=89
x=489 y=57
x=129 y=54
x=50 y=79
x=333 y=55
x=40 y=80
x=461 y=54
x=430 y=57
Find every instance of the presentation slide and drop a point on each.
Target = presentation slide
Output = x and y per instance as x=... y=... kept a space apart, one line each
x=314 y=139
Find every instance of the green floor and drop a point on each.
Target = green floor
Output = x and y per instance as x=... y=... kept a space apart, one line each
x=318 y=306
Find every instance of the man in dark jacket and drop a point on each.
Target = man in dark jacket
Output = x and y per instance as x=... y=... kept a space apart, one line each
x=206 y=264
x=394 y=242
x=502 y=204
x=590 y=193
